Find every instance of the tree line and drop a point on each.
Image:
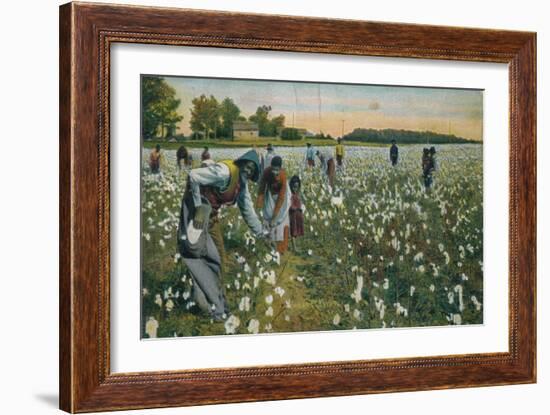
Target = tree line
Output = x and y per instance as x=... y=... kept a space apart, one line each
x=210 y=118
x=370 y=135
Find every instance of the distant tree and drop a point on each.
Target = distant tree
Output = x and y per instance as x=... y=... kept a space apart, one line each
x=159 y=106
x=371 y=135
x=205 y=116
x=267 y=127
x=261 y=117
x=290 y=134
x=229 y=113
x=277 y=124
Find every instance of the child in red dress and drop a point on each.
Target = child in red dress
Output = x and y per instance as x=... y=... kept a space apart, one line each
x=296 y=214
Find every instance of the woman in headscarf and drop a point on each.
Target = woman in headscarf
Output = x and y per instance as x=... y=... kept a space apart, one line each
x=274 y=200
x=200 y=238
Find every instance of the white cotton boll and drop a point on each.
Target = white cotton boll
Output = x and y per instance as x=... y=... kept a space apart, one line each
x=451 y=297
x=412 y=289
x=169 y=305
x=231 y=324
x=477 y=304
x=158 y=300
x=151 y=327
x=464 y=277
x=432 y=288
x=287 y=317
x=309 y=252
x=186 y=295
x=457 y=319
x=271 y=278
x=419 y=256
x=237 y=284
x=459 y=290
x=447 y=258
x=338 y=261
x=346 y=308
x=269 y=299
x=386 y=284
x=253 y=326
x=280 y=291
x=336 y=319
x=161 y=243
x=357 y=314
x=256 y=282
x=269 y=312
x=244 y=304
x=400 y=310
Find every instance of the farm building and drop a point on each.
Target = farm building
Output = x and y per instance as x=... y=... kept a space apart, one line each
x=245 y=129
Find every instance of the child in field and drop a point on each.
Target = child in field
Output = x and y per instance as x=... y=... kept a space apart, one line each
x=296 y=214
x=154 y=160
x=274 y=200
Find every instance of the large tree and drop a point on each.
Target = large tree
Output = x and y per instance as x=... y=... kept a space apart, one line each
x=205 y=115
x=267 y=127
x=229 y=113
x=159 y=105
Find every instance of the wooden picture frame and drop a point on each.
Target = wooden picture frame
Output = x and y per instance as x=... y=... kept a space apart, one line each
x=86 y=33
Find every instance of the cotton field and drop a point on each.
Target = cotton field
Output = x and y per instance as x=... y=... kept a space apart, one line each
x=379 y=251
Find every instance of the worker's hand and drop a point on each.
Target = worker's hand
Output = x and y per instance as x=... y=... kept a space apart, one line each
x=201 y=215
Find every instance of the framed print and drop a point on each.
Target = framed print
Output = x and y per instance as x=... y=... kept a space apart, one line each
x=261 y=207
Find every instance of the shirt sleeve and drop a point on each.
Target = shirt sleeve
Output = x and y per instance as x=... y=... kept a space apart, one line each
x=244 y=202
x=215 y=175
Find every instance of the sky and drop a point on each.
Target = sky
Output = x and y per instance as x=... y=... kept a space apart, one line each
x=333 y=108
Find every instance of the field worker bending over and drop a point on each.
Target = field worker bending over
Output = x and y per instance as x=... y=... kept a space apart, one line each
x=274 y=199
x=328 y=167
x=200 y=237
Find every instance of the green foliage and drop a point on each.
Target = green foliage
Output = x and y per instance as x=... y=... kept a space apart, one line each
x=229 y=113
x=159 y=106
x=290 y=134
x=268 y=127
x=205 y=116
x=385 y=136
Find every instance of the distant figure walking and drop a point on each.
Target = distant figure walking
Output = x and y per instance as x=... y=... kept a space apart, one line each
x=339 y=152
x=296 y=211
x=328 y=166
x=205 y=154
x=428 y=166
x=154 y=160
x=182 y=155
x=274 y=200
x=394 y=153
x=310 y=156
